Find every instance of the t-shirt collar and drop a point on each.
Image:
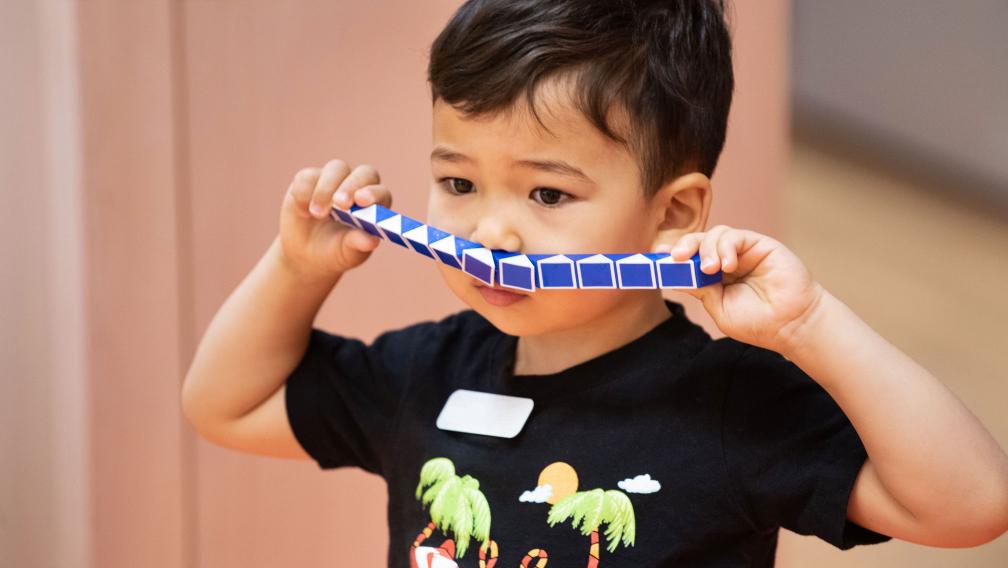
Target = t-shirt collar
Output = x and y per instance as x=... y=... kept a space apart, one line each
x=663 y=341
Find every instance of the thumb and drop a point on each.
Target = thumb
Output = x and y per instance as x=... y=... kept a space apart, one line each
x=357 y=246
x=710 y=297
x=697 y=293
x=362 y=241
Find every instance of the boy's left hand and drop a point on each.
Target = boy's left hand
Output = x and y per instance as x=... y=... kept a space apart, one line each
x=766 y=295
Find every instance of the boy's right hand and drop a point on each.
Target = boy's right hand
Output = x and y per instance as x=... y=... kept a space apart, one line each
x=313 y=244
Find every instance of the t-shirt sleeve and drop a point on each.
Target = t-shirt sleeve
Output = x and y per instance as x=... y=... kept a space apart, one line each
x=790 y=451
x=344 y=397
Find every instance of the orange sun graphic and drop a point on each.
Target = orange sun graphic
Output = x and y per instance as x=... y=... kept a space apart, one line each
x=562 y=477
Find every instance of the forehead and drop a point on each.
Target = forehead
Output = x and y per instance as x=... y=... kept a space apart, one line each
x=565 y=134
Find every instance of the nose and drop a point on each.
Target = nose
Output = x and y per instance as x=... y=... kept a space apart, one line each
x=493 y=232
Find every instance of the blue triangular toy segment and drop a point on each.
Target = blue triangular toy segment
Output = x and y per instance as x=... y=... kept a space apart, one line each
x=435 y=235
x=446 y=249
x=447 y=259
x=366 y=217
x=515 y=270
x=618 y=255
x=345 y=218
x=597 y=271
x=704 y=279
x=675 y=275
x=533 y=271
x=635 y=276
x=461 y=245
x=635 y=271
x=478 y=262
x=415 y=236
x=382 y=213
x=597 y=276
x=556 y=271
x=409 y=223
x=515 y=276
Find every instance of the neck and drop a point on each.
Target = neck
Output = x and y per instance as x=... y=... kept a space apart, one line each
x=553 y=352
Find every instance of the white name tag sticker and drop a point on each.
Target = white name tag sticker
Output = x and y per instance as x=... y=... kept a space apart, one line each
x=484 y=413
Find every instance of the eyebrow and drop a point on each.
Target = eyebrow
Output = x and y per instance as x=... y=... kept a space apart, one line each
x=552 y=166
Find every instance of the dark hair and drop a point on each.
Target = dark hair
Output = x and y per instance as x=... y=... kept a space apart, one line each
x=665 y=64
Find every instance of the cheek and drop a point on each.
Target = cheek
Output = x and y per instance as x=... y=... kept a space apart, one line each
x=434 y=209
x=457 y=281
x=575 y=305
x=620 y=232
x=438 y=208
x=598 y=227
x=441 y=216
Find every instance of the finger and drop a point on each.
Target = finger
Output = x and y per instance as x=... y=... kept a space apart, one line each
x=710 y=262
x=686 y=246
x=752 y=251
x=301 y=188
x=333 y=174
x=727 y=249
x=362 y=175
x=371 y=194
x=362 y=241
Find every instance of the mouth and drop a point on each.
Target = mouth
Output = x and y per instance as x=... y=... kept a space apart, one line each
x=498 y=296
x=499 y=289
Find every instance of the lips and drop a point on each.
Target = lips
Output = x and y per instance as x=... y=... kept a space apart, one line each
x=499 y=289
x=497 y=296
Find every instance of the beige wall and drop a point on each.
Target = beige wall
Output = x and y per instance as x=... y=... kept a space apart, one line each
x=122 y=238
x=925 y=272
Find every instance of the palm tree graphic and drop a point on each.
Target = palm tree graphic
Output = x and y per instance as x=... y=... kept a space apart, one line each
x=457 y=506
x=590 y=509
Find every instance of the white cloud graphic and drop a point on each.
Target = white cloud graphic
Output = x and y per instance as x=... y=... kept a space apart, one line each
x=640 y=484
x=538 y=495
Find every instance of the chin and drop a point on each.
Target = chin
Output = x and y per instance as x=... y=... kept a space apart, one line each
x=509 y=323
x=542 y=312
x=512 y=320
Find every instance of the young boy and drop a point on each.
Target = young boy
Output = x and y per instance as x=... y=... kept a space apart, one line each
x=592 y=126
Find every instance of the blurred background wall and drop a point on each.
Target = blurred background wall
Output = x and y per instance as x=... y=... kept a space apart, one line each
x=145 y=147
x=913 y=86
x=45 y=389
x=897 y=200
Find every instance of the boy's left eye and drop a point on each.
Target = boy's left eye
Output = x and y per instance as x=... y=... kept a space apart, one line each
x=550 y=197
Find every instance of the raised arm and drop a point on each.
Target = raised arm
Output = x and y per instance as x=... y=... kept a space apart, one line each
x=934 y=474
x=233 y=393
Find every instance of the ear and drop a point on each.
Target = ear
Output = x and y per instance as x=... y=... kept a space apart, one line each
x=681 y=206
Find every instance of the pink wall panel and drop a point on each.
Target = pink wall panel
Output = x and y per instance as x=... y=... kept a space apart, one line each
x=135 y=362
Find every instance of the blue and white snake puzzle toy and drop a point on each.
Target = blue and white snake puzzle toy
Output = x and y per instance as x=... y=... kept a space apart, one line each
x=528 y=272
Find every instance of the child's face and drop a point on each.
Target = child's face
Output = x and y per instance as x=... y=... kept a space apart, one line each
x=494 y=199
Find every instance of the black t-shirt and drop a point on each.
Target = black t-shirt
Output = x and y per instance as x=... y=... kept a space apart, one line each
x=672 y=450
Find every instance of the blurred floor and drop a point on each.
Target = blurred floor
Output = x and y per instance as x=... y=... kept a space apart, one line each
x=929 y=275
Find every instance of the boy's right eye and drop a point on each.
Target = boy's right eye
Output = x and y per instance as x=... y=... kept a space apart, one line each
x=457 y=186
